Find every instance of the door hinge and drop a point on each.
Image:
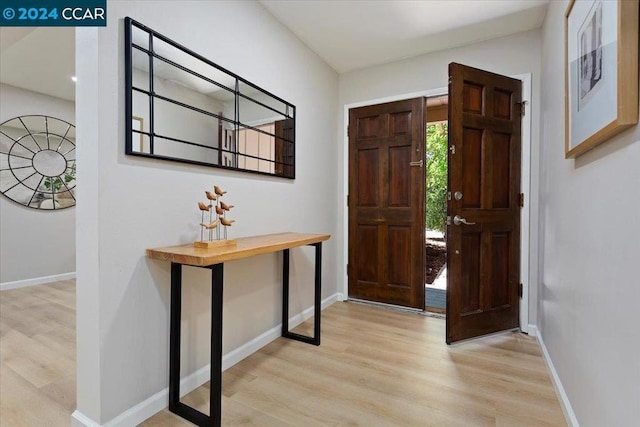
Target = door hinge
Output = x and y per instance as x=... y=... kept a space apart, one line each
x=521 y=200
x=522 y=107
x=348 y=131
x=348 y=200
x=347 y=270
x=520 y=290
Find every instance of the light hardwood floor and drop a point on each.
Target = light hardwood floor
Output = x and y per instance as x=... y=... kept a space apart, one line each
x=375 y=367
x=38 y=355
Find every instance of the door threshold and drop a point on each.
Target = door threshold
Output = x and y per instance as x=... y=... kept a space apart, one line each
x=435 y=309
x=435 y=314
x=385 y=305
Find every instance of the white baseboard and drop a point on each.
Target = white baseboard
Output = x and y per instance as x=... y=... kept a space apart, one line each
x=569 y=415
x=78 y=419
x=154 y=404
x=36 y=281
x=532 y=330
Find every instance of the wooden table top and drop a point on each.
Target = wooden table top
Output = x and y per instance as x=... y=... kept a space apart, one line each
x=245 y=247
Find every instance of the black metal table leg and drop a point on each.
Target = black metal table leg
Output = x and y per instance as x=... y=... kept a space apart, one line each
x=174 y=336
x=315 y=340
x=215 y=399
x=285 y=293
x=317 y=292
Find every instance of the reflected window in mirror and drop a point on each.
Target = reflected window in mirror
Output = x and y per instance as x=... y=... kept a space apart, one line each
x=181 y=106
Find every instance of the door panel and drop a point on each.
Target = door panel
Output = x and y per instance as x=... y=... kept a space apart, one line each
x=400 y=123
x=472 y=100
x=471 y=159
x=399 y=243
x=368 y=166
x=499 y=270
x=368 y=127
x=368 y=264
x=500 y=149
x=484 y=164
x=470 y=296
x=399 y=183
x=386 y=203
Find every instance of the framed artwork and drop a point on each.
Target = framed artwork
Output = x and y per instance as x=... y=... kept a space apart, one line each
x=601 y=72
x=137 y=123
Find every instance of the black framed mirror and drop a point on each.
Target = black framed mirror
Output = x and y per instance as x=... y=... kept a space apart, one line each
x=181 y=106
x=38 y=162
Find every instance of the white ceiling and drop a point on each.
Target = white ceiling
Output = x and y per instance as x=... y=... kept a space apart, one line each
x=39 y=59
x=347 y=34
x=353 y=34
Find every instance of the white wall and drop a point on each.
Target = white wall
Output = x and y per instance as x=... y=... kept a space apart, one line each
x=589 y=286
x=34 y=243
x=127 y=204
x=512 y=55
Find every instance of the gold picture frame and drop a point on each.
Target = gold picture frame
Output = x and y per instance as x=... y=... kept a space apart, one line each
x=601 y=72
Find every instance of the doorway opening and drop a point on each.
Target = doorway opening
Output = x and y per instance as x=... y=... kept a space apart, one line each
x=526 y=244
x=436 y=204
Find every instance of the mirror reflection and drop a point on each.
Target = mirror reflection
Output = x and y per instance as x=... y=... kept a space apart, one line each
x=183 y=107
x=37 y=162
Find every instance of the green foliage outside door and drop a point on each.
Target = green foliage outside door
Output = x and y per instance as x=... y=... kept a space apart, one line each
x=436 y=188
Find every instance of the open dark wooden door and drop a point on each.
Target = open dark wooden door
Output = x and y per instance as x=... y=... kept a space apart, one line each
x=386 y=203
x=483 y=238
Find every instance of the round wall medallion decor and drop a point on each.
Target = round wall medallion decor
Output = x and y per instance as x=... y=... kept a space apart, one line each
x=38 y=162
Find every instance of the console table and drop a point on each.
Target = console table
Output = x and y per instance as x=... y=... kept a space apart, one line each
x=214 y=259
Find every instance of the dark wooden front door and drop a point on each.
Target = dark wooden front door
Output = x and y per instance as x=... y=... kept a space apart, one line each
x=484 y=180
x=386 y=203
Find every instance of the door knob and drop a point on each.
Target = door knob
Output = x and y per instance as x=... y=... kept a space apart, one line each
x=457 y=220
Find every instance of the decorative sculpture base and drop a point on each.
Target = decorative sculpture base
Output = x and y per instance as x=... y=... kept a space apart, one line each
x=214 y=243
